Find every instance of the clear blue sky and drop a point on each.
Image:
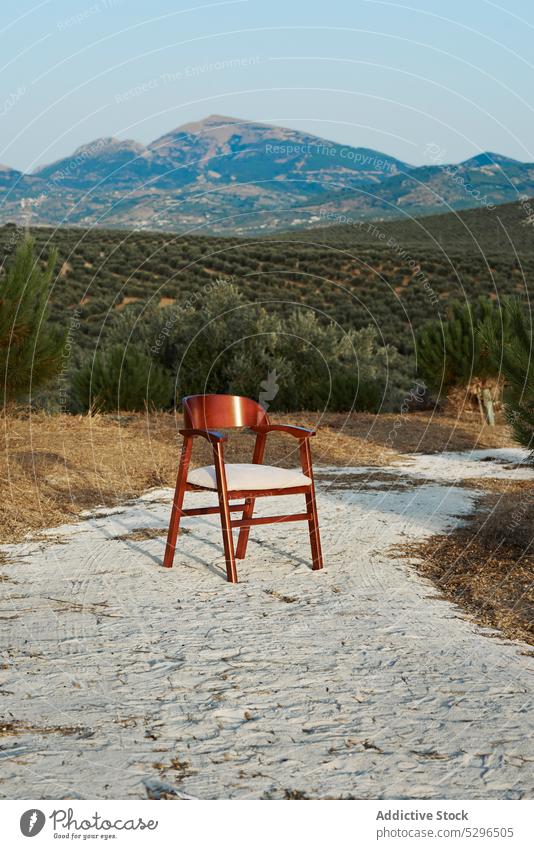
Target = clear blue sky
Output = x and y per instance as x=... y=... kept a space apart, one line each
x=396 y=76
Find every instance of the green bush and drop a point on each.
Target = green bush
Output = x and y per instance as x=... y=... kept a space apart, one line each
x=226 y=344
x=121 y=379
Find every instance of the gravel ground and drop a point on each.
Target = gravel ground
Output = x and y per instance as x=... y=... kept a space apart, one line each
x=123 y=680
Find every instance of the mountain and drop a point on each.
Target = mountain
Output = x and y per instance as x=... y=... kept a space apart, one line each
x=246 y=152
x=488 y=158
x=225 y=175
x=16 y=189
x=106 y=160
x=435 y=189
x=8 y=176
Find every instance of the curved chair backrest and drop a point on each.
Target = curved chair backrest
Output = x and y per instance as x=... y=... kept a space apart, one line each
x=209 y=412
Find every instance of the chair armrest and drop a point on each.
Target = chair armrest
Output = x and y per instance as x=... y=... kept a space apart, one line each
x=291 y=430
x=212 y=436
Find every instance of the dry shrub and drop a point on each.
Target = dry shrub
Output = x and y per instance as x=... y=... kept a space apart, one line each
x=509 y=523
x=466 y=401
x=487 y=566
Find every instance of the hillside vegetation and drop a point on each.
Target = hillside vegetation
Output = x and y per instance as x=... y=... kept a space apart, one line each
x=393 y=276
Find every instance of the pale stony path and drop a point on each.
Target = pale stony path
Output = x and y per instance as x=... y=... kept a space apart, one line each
x=356 y=681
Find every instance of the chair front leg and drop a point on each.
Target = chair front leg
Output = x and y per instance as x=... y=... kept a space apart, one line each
x=242 y=541
x=179 y=492
x=311 y=506
x=224 y=509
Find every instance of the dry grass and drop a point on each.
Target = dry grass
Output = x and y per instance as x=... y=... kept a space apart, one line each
x=18 y=727
x=487 y=566
x=139 y=534
x=54 y=466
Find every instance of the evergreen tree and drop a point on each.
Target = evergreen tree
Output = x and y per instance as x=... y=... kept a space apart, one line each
x=30 y=347
x=121 y=379
x=452 y=352
x=514 y=360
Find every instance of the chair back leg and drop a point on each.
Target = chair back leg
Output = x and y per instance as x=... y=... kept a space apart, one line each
x=242 y=540
x=176 y=512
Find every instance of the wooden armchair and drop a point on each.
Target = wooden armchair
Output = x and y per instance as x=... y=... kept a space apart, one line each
x=202 y=415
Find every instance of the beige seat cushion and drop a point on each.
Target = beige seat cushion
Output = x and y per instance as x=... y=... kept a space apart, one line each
x=249 y=476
